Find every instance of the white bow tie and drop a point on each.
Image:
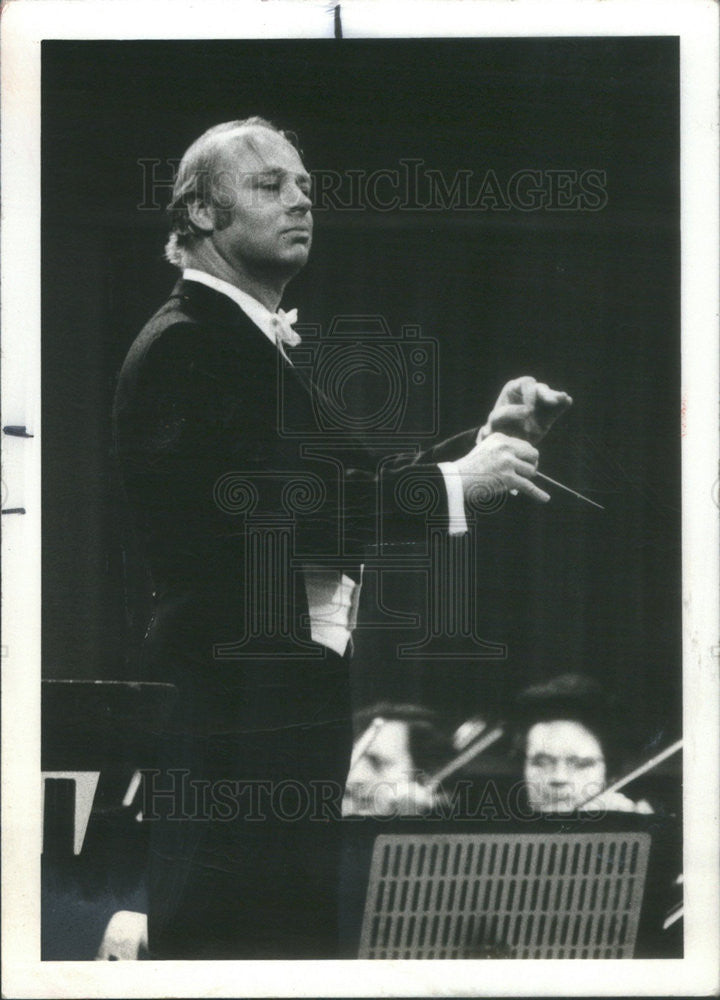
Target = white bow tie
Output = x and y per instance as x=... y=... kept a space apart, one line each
x=282 y=324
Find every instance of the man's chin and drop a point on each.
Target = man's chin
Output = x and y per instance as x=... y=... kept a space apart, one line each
x=293 y=259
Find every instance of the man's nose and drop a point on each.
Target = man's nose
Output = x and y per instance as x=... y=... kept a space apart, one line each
x=298 y=200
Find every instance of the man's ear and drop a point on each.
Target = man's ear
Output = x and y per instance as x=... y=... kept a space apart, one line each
x=201 y=216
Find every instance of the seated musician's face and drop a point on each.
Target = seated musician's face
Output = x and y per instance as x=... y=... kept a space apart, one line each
x=267 y=227
x=564 y=765
x=387 y=764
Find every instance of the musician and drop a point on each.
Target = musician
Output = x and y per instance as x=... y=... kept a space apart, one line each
x=572 y=745
x=397 y=749
x=258 y=649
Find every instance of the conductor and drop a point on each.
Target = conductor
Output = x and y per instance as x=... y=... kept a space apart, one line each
x=255 y=549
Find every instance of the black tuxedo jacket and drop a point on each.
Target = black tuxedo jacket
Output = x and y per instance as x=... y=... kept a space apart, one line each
x=227 y=505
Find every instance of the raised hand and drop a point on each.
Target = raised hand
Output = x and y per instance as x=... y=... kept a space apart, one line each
x=526 y=409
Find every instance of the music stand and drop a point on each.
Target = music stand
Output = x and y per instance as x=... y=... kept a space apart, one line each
x=510 y=895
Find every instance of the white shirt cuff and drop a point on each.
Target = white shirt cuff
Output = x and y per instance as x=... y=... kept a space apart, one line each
x=457 y=522
x=333 y=602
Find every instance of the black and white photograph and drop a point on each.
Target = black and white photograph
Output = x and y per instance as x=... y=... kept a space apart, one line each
x=360 y=496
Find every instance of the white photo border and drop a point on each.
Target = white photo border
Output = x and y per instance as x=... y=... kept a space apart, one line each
x=25 y=24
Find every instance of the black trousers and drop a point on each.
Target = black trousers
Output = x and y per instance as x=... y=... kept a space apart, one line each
x=245 y=808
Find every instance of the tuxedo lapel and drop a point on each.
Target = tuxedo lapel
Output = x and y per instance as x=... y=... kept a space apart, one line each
x=219 y=314
x=221 y=317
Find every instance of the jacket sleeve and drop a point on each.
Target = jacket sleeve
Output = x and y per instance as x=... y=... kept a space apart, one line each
x=406 y=494
x=194 y=448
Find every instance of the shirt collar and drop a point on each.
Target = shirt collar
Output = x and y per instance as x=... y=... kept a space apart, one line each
x=254 y=310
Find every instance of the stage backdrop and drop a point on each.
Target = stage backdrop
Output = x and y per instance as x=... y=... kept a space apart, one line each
x=576 y=283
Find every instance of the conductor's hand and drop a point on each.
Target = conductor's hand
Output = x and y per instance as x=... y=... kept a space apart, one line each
x=526 y=409
x=125 y=938
x=500 y=463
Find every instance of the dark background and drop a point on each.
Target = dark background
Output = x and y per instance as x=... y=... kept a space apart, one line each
x=587 y=301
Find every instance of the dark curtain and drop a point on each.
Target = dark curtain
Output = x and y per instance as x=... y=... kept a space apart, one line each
x=585 y=300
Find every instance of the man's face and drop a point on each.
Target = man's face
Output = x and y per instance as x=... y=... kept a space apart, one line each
x=373 y=781
x=564 y=766
x=267 y=228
